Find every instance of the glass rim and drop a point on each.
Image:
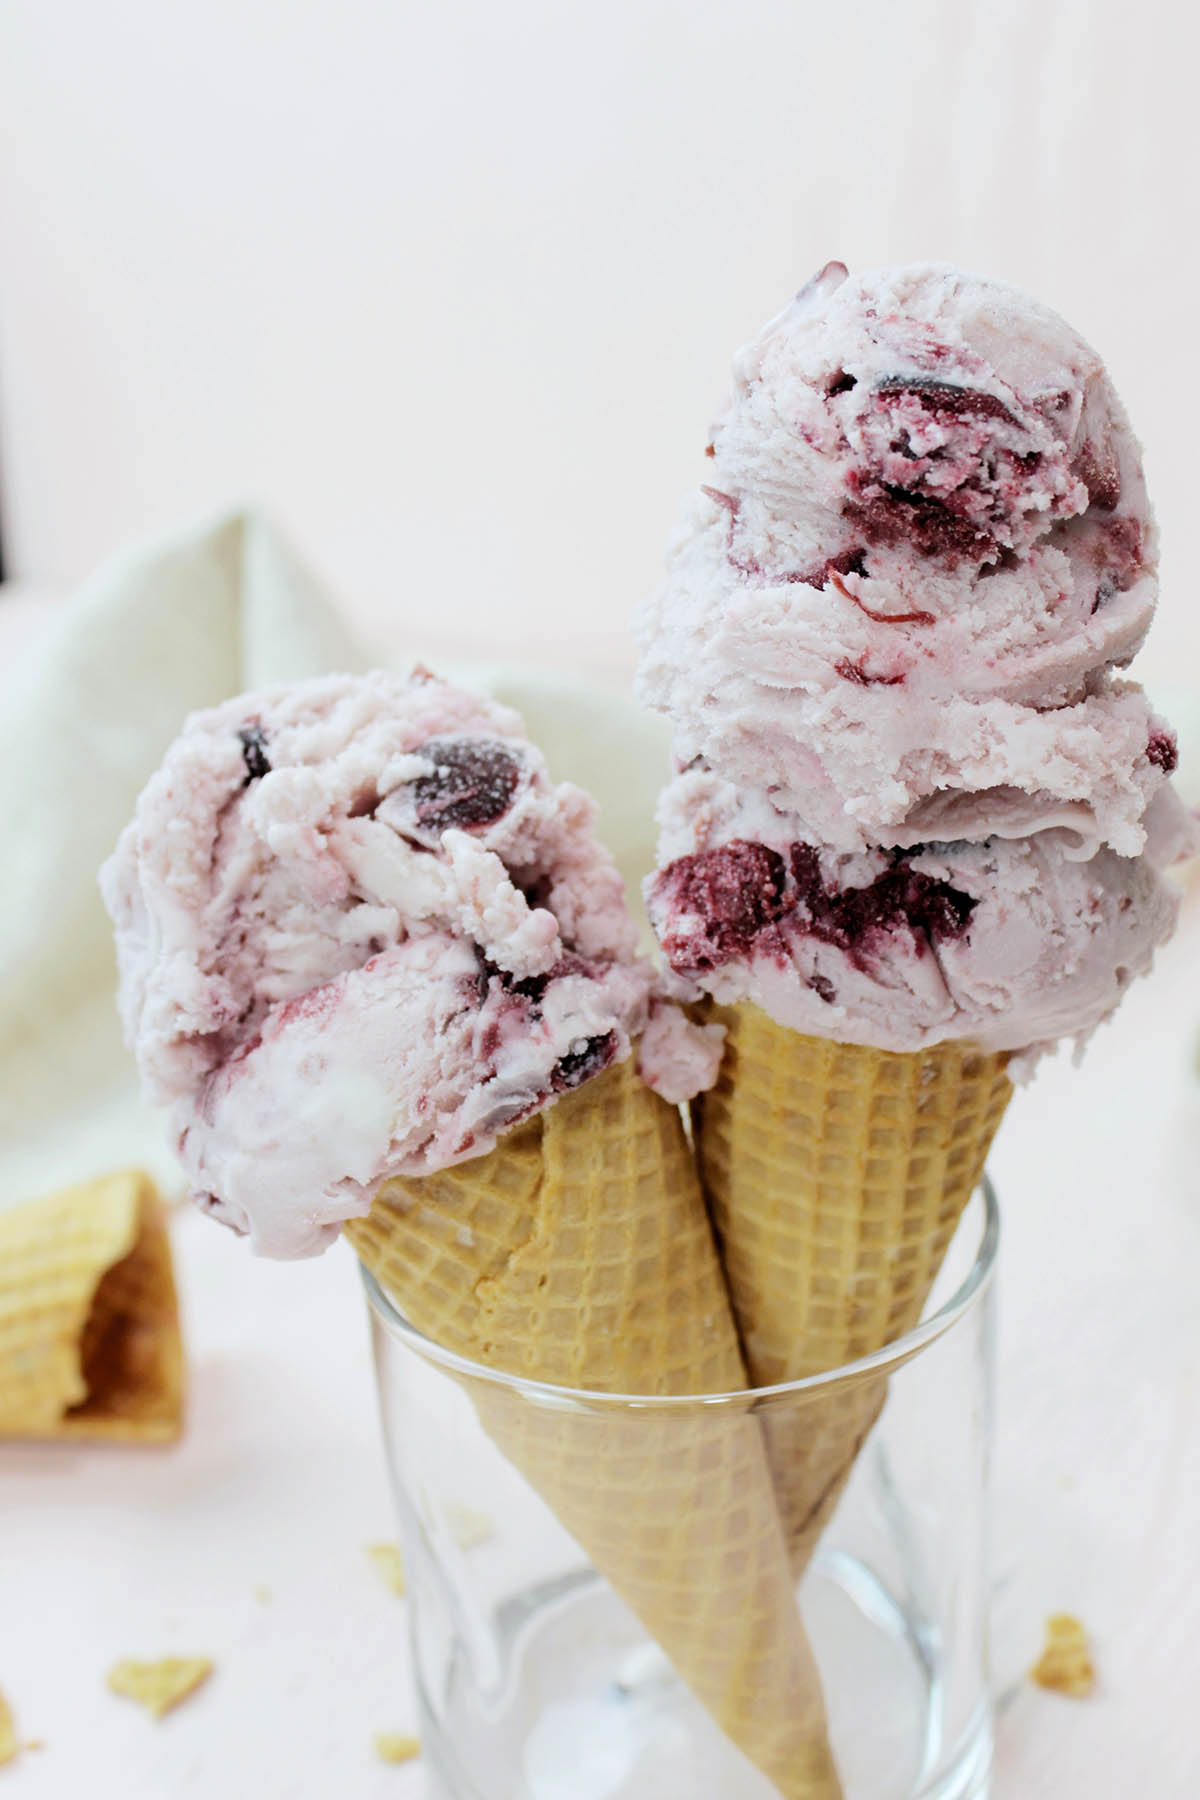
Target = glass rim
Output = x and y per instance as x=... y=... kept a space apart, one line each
x=901 y=1350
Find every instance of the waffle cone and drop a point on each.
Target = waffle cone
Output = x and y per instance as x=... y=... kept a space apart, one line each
x=89 y=1325
x=836 y=1175
x=578 y=1253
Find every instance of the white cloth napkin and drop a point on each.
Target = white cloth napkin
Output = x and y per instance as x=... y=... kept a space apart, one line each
x=85 y=717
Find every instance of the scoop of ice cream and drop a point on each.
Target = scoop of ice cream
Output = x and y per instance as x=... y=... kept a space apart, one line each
x=1011 y=942
x=923 y=545
x=360 y=933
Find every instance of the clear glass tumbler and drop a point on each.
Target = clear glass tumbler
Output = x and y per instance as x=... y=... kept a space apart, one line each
x=536 y=1681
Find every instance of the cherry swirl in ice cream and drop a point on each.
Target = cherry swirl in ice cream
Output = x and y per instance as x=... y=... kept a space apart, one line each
x=914 y=800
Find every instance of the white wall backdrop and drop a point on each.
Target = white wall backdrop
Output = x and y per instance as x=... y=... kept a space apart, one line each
x=452 y=287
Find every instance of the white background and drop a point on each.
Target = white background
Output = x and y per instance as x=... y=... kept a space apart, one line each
x=453 y=286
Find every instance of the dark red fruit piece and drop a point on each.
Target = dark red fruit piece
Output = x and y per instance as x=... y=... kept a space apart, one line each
x=938 y=396
x=741 y=893
x=736 y=891
x=1162 y=751
x=472 y=785
x=887 y=514
x=254 y=753
x=1100 y=474
x=578 y=1066
x=901 y=895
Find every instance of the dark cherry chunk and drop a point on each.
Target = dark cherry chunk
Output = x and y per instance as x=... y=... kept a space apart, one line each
x=894 y=515
x=901 y=895
x=578 y=1066
x=742 y=891
x=938 y=396
x=1100 y=474
x=1162 y=752
x=736 y=891
x=842 y=383
x=1120 y=552
x=912 y=508
x=472 y=785
x=254 y=753
x=532 y=987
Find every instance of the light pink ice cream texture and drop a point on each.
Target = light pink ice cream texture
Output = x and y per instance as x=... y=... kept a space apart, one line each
x=1013 y=943
x=913 y=800
x=360 y=934
x=921 y=549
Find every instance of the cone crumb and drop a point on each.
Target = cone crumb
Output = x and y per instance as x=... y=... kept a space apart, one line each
x=9 y=1747
x=1065 y=1665
x=389 y=1561
x=396 y=1746
x=469 y=1527
x=159 y=1686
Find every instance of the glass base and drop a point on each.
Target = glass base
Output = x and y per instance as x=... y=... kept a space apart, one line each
x=589 y=1710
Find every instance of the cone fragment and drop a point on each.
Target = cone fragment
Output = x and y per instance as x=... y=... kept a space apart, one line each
x=578 y=1253
x=1065 y=1665
x=10 y=1744
x=836 y=1175
x=159 y=1686
x=89 y=1324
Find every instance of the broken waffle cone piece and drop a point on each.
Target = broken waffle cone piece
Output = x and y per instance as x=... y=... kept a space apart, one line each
x=836 y=1175
x=1065 y=1665
x=159 y=1686
x=388 y=1560
x=10 y=1745
x=89 y=1321
x=578 y=1253
x=396 y=1746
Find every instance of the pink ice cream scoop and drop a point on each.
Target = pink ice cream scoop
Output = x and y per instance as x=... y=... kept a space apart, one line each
x=1014 y=942
x=360 y=934
x=922 y=547
x=913 y=800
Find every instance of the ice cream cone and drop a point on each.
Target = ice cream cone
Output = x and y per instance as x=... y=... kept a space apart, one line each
x=836 y=1176
x=578 y=1252
x=89 y=1328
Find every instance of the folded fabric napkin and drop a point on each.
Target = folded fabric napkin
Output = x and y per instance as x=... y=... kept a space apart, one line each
x=85 y=717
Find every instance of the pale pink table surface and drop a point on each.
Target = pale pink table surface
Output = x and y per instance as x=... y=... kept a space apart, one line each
x=246 y=1542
